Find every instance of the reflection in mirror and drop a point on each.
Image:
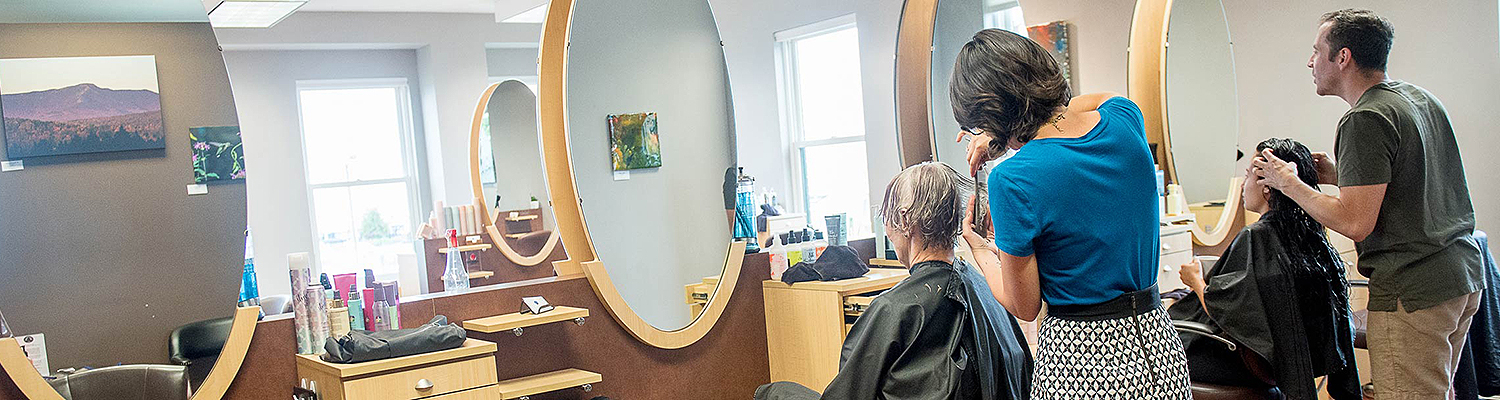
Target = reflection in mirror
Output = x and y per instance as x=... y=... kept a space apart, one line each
x=651 y=137
x=106 y=259
x=512 y=187
x=1202 y=103
x=955 y=25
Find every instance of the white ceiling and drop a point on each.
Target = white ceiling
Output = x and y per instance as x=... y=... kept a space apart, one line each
x=429 y=6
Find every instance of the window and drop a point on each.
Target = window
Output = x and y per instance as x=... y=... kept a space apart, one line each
x=823 y=119
x=361 y=180
x=1004 y=14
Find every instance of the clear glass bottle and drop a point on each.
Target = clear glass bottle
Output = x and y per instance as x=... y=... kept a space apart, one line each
x=456 y=277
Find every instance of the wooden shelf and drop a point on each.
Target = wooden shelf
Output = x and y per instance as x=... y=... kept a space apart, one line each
x=519 y=218
x=481 y=274
x=511 y=322
x=472 y=247
x=886 y=263
x=516 y=235
x=547 y=382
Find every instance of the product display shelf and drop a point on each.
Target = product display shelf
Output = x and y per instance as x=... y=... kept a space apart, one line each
x=516 y=322
x=481 y=275
x=521 y=218
x=524 y=387
x=468 y=248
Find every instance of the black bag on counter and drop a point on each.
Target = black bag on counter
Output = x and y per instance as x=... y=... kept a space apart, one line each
x=838 y=262
x=361 y=346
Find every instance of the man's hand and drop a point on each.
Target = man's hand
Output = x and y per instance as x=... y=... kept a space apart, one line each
x=1276 y=174
x=978 y=149
x=1192 y=276
x=1328 y=174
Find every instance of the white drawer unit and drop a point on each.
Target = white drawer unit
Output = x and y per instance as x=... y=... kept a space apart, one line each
x=1176 y=250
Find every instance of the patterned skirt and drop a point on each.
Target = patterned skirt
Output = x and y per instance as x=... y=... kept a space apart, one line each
x=1126 y=358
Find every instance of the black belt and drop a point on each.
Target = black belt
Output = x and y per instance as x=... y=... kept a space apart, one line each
x=1127 y=305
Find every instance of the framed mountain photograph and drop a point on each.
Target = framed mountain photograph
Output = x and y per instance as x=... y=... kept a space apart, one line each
x=77 y=105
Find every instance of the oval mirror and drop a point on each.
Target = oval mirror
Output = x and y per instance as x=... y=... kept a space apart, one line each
x=1202 y=114
x=641 y=159
x=109 y=266
x=507 y=171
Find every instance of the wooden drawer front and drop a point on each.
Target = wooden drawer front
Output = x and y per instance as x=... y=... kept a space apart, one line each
x=1168 y=279
x=485 y=393
x=445 y=378
x=1176 y=242
x=856 y=305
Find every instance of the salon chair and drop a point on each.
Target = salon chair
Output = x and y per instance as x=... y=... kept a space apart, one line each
x=157 y=382
x=275 y=305
x=196 y=347
x=1257 y=365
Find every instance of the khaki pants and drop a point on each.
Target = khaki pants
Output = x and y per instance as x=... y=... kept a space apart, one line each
x=1413 y=355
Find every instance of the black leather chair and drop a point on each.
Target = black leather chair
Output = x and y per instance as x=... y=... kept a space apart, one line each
x=156 y=382
x=196 y=346
x=1258 y=366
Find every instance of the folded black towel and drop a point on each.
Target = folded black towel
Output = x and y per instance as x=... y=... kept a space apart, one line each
x=361 y=346
x=837 y=262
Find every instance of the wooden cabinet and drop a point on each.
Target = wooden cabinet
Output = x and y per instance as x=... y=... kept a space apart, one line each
x=806 y=323
x=467 y=372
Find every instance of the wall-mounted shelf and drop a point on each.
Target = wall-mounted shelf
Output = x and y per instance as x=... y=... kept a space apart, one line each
x=519 y=218
x=481 y=274
x=881 y=262
x=472 y=247
x=516 y=235
x=524 y=387
x=515 y=322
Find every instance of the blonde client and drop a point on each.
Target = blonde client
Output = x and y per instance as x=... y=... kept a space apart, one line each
x=940 y=334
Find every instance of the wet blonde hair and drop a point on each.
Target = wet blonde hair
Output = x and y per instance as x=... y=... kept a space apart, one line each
x=928 y=200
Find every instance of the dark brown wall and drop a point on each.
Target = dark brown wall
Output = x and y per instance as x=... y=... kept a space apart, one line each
x=727 y=364
x=106 y=253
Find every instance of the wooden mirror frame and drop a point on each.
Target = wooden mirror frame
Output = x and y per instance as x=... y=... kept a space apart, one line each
x=914 y=136
x=476 y=180
x=31 y=383
x=567 y=208
x=1147 y=77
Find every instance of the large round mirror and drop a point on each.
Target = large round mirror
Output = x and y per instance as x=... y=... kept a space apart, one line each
x=954 y=26
x=108 y=262
x=508 y=175
x=650 y=137
x=1202 y=101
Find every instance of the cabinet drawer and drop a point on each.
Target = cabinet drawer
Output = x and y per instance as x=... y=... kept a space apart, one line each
x=856 y=305
x=1182 y=241
x=1168 y=278
x=444 y=378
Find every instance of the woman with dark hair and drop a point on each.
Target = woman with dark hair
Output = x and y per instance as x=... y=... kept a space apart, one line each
x=1075 y=222
x=1279 y=269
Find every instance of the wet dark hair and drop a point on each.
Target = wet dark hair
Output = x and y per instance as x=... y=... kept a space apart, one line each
x=1006 y=86
x=1316 y=269
x=1367 y=36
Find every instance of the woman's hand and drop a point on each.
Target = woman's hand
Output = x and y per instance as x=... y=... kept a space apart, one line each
x=978 y=149
x=1192 y=276
x=976 y=241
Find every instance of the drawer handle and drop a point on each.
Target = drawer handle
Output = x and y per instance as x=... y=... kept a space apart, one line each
x=1166 y=247
x=1166 y=268
x=424 y=385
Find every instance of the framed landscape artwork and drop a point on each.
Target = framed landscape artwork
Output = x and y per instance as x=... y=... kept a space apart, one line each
x=633 y=143
x=77 y=105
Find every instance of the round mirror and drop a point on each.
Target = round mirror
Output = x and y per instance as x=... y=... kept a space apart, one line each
x=508 y=173
x=650 y=137
x=113 y=109
x=1202 y=101
x=954 y=26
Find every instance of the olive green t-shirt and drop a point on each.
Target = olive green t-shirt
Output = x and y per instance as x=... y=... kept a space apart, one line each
x=1422 y=251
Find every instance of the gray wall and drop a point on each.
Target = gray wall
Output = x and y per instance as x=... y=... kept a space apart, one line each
x=511 y=62
x=956 y=23
x=106 y=253
x=664 y=227
x=517 y=151
x=266 y=83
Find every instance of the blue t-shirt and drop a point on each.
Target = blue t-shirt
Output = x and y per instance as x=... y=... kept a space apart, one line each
x=1085 y=206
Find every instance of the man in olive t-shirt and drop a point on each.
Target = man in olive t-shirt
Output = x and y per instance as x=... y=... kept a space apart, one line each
x=1403 y=198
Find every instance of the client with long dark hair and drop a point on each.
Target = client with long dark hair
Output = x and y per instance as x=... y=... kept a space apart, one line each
x=1279 y=292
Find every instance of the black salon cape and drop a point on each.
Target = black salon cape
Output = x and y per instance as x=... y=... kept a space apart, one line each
x=1257 y=305
x=940 y=334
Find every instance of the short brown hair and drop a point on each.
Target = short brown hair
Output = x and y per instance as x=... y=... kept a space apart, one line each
x=928 y=200
x=1367 y=36
x=1007 y=86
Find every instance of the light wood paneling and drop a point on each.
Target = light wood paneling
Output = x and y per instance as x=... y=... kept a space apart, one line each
x=913 y=82
x=805 y=334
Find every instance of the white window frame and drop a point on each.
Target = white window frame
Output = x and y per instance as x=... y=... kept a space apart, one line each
x=789 y=97
x=408 y=152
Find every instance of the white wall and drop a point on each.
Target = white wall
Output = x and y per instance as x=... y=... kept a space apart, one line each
x=509 y=62
x=265 y=92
